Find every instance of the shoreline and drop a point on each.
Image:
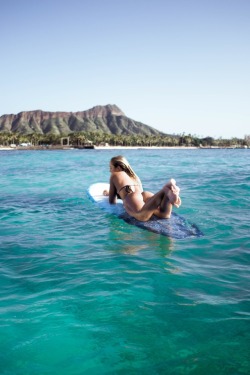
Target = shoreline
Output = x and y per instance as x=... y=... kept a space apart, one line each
x=35 y=148
x=67 y=148
x=144 y=147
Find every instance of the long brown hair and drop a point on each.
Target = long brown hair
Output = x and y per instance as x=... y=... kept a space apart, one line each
x=124 y=165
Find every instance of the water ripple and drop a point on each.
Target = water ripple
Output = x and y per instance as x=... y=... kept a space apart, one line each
x=84 y=292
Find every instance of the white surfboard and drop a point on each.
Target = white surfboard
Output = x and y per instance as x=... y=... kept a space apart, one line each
x=175 y=227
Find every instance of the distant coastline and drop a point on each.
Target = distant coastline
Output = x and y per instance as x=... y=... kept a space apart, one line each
x=67 y=148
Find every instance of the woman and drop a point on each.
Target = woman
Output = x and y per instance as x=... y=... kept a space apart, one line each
x=125 y=184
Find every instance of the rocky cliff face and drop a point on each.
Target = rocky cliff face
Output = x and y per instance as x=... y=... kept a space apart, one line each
x=107 y=119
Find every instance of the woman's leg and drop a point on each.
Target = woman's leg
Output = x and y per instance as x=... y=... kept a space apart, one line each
x=170 y=198
x=164 y=210
x=135 y=206
x=143 y=206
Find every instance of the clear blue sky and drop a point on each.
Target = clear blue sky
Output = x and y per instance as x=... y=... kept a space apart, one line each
x=177 y=65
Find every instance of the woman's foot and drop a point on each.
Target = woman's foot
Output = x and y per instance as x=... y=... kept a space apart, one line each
x=174 y=198
x=172 y=185
x=173 y=191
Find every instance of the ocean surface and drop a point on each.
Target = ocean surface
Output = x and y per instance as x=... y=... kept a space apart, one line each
x=83 y=292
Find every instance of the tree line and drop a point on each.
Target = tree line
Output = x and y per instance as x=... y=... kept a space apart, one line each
x=78 y=139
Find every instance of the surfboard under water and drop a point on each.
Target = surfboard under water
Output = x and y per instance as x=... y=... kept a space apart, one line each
x=176 y=227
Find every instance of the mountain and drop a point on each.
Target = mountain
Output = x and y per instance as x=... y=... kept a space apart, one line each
x=106 y=119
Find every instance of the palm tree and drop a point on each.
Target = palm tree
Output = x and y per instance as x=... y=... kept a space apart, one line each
x=81 y=139
x=6 y=138
x=35 y=138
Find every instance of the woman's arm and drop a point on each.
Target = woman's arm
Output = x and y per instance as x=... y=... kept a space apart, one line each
x=112 y=192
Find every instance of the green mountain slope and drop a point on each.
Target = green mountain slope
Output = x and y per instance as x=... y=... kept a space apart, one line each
x=106 y=119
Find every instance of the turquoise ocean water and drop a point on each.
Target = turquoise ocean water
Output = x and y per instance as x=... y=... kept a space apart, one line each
x=83 y=292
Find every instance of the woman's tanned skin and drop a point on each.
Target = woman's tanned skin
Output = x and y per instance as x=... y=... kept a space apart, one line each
x=140 y=204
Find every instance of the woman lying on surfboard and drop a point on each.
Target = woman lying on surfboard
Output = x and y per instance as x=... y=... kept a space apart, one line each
x=125 y=184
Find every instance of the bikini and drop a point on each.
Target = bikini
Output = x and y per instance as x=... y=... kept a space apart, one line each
x=127 y=188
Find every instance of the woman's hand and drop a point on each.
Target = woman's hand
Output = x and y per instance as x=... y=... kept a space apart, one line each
x=106 y=193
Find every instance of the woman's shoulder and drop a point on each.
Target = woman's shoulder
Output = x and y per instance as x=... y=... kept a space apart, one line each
x=120 y=177
x=119 y=173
